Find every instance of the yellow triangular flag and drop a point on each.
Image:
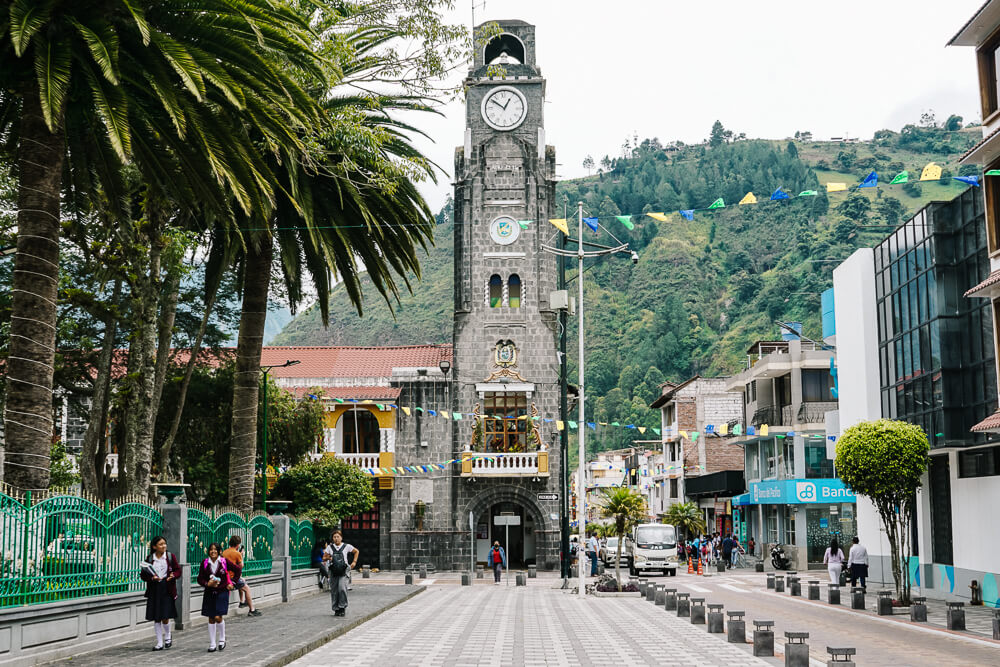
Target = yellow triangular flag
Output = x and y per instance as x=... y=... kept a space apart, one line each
x=642 y=429
x=658 y=216
x=836 y=187
x=560 y=224
x=560 y=425
x=406 y=411
x=724 y=429
x=748 y=198
x=763 y=429
x=931 y=172
x=684 y=434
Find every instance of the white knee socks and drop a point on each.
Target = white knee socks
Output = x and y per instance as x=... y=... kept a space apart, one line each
x=221 y=625
x=211 y=635
x=166 y=630
x=159 y=634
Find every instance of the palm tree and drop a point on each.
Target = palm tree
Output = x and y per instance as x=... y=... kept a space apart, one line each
x=685 y=517
x=109 y=80
x=627 y=508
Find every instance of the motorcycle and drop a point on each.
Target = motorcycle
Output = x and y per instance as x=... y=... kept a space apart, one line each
x=778 y=559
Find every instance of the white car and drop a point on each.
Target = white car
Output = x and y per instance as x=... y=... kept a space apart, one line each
x=610 y=551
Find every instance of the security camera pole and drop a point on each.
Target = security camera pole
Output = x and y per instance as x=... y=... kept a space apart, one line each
x=581 y=491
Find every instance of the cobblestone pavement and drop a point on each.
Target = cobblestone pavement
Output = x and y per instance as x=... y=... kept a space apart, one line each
x=891 y=641
x=281 y=634
x=534 y=625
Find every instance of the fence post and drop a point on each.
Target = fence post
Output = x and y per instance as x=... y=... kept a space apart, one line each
x=24 y=548
x=175 y=532
x=280 y=557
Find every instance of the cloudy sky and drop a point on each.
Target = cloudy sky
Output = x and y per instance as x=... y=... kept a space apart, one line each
x=670 y=68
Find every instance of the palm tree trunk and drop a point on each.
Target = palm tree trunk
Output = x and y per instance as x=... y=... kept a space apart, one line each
x=28 y=424
x=97 y=423
x=243 y=450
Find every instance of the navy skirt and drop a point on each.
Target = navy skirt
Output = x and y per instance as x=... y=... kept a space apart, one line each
x=215 y=603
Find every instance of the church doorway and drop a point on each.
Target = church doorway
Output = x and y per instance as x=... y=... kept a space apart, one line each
x=518 y=541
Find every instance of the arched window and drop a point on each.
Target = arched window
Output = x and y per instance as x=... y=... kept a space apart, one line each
x=361 y=432
x=514 y=290
x=504 y=49
x=496 y=291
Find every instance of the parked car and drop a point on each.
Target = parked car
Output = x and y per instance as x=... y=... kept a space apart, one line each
x=610 y=551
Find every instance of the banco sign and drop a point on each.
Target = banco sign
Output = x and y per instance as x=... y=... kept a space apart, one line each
x=795 y=492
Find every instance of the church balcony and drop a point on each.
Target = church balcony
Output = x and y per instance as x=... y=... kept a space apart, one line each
x=381 y=461
x=505 y=464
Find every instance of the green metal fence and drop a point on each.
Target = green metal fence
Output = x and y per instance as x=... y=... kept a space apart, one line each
x=63 y=547
x=301 y=539
x=206 y=526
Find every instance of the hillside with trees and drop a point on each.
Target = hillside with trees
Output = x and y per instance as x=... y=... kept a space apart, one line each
x=705 y=289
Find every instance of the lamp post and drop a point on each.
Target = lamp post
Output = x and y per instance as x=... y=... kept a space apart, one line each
x=580 y=255
x=267 y=369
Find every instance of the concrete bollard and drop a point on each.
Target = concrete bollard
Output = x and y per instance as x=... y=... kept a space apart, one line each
x=532 y=572
x=794 y=587
x=408 y=579
x=600 y=567
x=698 y=611
x=814 y=589
x=720 y=566
x=466 y=579
x=759 y=567
x=480 y=572
x=833 y=593
x=857 y=598
x=714 y=619
x=885 y=603
x=670 y=599
x=841 y=657
x=779 y=583
x=423 y=571
x=736 y=629
x=642 y=586
x=660 y=594
x=651 y=592
x=996 y=624
x=770 y=580
x=366 y=572
x=956 y=616
x=683 y=605
x=763 y=638
x=918 y=610
x=796 y=649
x=521 y=579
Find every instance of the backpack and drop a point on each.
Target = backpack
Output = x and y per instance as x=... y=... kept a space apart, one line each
x=338 y=564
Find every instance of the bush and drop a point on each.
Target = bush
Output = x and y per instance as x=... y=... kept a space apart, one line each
x=326 y=491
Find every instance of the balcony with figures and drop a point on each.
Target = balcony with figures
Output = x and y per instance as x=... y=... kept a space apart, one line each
x=506 y=443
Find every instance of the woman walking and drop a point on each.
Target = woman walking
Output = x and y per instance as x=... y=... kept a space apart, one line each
x=214 y=577
x=834 y=559
x=160 y=571
x=338 y=553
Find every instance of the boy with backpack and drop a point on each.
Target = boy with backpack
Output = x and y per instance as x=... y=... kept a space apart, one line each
x=337 y=554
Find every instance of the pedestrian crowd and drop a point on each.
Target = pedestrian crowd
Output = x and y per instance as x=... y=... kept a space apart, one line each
x=715 y=548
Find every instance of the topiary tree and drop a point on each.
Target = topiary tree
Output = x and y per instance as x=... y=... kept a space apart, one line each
x=885 y=461
x=327 y=490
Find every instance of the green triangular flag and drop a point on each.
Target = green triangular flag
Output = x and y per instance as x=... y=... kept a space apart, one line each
x=626 y=220
x=572 y=424
x=808 y=193
x=420 y=409
x=615 y=424
x=718 y=203
x=738 y=429
x=379 y=406
x=901 y=177
x=656 y=430
x=524 y=223
x=456 y=415
x=339 y=400
x=993 y=172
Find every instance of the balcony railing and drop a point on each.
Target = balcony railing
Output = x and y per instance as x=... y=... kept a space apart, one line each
x=815 y=412
x=520 y=464
x=765 y=415
x=361 y=460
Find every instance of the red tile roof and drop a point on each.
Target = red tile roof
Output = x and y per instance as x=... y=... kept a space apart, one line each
x=989 y=425
x=342 y=361
x=992 y=279
x=359 y=393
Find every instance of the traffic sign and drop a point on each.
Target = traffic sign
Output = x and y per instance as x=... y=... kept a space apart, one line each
x=548 y=496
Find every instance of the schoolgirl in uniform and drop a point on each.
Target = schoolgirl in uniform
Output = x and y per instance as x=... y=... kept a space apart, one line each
x=214 y=577
x=160 y=571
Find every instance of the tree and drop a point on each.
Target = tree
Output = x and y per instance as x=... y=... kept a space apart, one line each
x=891 y=210
x=885 y=461
x=686 y=518
x=588 y=164
x=856 y=207
x=328 y=491
x=791 y=150
x=953 y=124
x=628 y=509
x=717 y=137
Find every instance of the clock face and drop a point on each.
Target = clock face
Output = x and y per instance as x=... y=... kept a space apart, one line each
x=504 y=108
x=504 y=230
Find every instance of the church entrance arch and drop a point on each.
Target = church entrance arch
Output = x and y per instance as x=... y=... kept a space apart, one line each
x=519 y=541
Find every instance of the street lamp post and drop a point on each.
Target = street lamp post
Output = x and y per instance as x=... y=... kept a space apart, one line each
x=267 y=369
x=580 y=255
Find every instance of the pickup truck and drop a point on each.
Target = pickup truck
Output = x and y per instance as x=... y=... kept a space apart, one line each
x=651 y=546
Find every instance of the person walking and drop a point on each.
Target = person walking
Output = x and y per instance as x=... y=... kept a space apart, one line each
x=214 y=577
x=498 y=561
x=857 y=564
x=338 y=553
x=727 y=551
x=234 y=562
x=593 y=546
x=160 y=571
x=323 y=571
x=834 y=560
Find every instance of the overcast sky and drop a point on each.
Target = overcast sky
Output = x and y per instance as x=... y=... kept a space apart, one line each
x=670 y=68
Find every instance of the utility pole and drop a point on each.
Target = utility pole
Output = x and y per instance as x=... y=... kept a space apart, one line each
x=563 y=414
x=581 y=430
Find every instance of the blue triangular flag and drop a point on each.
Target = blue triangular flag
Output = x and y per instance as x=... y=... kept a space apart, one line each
x=778 y=194
x=432 y=413
x=971 y=180
x=688 y=214
x=871 y=181
x=592 y=425
x=751 y=430
x=592 y=223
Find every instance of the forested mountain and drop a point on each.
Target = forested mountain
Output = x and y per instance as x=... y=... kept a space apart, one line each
x=705 y=289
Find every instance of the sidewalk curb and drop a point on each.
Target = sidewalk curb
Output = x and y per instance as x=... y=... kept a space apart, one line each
x=297 y=653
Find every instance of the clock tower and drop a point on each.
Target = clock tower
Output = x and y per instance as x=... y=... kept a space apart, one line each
x=506 y=367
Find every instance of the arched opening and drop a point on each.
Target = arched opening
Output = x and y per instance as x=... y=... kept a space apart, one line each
x=504 y=49
x=514 y=290
x=496 y=291
x=517 y=536
x=361 y=432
